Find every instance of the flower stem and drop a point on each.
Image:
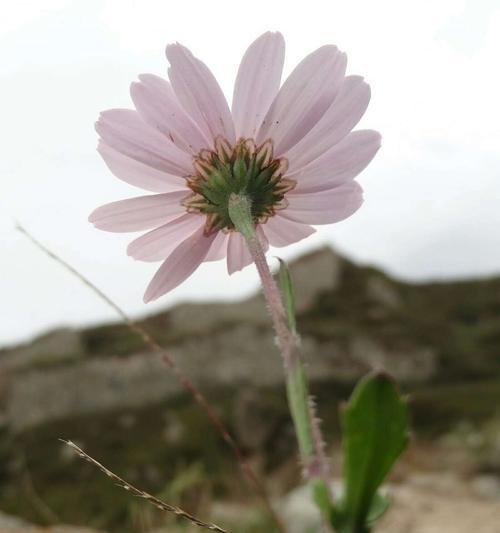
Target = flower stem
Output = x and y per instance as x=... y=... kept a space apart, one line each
x=302 y=408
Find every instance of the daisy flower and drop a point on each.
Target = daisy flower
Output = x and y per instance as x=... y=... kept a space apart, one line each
x=289 y=149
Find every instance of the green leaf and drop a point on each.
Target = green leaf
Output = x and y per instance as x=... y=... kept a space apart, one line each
x=298 y=400
x=343 y=524
x=322 y=497
x=375 y=426
x=378 y=508
x=288 y=294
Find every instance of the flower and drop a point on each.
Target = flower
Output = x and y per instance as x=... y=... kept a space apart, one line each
x=289 y=149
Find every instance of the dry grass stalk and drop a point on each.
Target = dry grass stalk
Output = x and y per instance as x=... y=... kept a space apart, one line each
x=159 y=504
x=183 y=379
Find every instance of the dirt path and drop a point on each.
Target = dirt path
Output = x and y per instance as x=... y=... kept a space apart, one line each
x=435 y=503
x=423 y=503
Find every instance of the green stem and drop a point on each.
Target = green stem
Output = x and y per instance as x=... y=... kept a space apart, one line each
x=302 y=409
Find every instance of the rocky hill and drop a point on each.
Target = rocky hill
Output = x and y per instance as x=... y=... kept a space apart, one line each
x=100 y=387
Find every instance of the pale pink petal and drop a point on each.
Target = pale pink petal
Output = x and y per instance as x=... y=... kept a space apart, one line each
x=158 y=106
x=137 y=173
x=257 y=83
x=304 y=97
x=238 y=256
x=281 y=231
x=158 y=244
x=138 y=214
x=325 y=207
x=125 y=131
x=340 y=118
x=342 y=163
x=218 y=250
x=180 y=264
x=199 y=93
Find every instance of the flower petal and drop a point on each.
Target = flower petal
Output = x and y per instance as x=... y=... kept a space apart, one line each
x=199 y=93
x=257 y=83
x=125 y=131
x=282 y=231
x=180 y=264
x=141 y=213
x=218 y=250
x=238 y=255
x=343 y=162
x=304 y=97
x=137 y=173
x=158 y=106
x=158 y=244
x=340 y=118
x=325 y=207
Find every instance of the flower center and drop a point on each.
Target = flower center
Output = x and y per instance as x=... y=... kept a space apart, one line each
x=243 y=169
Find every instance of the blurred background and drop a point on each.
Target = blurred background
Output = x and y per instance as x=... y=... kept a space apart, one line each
x=411 y=283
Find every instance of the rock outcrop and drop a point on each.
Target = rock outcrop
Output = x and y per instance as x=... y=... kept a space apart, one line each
x=219 y=344
x=102 y=388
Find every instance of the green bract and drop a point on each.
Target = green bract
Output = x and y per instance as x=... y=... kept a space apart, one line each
x=245 y=170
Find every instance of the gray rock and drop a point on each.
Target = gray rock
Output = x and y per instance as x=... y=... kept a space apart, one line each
x=383 y=292
x=314 y=274
x=239 y=356
x=408 y=364
x=11 y=523
x=92 y=386
x=54 y=347
x=299 y=512
x=218 y=345
x=486 y=486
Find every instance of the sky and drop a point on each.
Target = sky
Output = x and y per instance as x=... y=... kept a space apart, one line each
x=431 y=195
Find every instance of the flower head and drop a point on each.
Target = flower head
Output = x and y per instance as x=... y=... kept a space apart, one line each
x=289 y=149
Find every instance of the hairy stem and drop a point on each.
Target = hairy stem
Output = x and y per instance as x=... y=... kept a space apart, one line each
x=302 y=408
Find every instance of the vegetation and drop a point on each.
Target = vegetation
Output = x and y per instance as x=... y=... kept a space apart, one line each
x=171 y=448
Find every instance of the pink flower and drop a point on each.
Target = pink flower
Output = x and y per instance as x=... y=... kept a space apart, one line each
x=290 y=149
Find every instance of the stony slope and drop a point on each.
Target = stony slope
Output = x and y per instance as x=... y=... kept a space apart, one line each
x=100 y=387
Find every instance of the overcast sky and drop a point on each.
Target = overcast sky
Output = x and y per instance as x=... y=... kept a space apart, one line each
x=431 y=195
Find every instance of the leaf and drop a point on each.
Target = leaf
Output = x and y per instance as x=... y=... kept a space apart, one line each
x=322 y=497
x=288 y=294
x=375 y=426
x=299 y=401
x=378 y=508
x=297 y=385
